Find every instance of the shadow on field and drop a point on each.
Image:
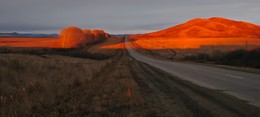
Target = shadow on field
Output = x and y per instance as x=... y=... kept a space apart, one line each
x=78 y=53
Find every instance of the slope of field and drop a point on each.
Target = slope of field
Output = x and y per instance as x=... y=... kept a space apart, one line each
x=209 y=28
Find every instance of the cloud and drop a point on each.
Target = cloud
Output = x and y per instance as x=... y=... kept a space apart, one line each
x=118 y=16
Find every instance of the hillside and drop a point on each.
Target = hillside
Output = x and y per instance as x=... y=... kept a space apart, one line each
x=214 y=27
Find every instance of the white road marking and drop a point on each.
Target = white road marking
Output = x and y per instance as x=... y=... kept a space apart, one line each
x=234 y=76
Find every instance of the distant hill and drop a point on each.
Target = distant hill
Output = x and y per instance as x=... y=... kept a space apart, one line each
x=214 y=27
x=26 y=35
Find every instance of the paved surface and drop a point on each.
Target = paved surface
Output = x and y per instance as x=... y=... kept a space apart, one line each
x=243 y=85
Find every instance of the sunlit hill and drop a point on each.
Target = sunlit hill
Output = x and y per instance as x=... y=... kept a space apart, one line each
x=202 y=32
x=209 y=28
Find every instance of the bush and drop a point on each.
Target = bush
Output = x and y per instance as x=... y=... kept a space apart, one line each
x=88 y=37
x=71 y=37
x=74 y=37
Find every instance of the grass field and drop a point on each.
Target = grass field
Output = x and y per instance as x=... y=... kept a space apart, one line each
x=54 y=82
x=194 y=43
x=100 y=80
x=30 y=42
x=177 y=48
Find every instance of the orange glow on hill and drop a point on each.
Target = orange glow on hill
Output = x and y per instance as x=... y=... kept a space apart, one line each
x=208 y=28
x=202 y=32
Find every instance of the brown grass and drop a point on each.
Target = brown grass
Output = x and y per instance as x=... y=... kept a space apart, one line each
x=57 y=85
x=27 y=80
x=193 y=43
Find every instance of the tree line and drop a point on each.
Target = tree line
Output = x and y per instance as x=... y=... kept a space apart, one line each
x=74 y=37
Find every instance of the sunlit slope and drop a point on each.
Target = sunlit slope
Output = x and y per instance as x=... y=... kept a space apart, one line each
x=209 y=28
x=202 y=32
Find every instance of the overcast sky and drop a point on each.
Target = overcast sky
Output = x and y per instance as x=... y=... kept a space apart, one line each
x=117 y=16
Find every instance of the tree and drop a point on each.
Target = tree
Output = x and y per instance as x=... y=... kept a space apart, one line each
x=102 y=34
x=99 y=35
x=87 y=36
x=96 y=35
x=71 y=37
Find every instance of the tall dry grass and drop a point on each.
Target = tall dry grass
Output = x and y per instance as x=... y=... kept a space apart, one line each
x=29 y=81
x=46 y=82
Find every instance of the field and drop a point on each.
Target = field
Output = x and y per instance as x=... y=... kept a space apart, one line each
x=194 y=43
x=101 y=80
x=48 y=82
x=30 y=42
x=178 y=48
x=240 y=52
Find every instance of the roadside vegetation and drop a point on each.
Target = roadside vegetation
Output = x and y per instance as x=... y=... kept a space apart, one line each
x=231 y=55
x=239 y=57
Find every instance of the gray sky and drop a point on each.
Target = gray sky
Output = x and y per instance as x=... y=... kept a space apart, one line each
x=117 y=16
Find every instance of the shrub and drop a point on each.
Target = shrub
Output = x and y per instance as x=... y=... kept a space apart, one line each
x=71 y=37
x=74 y=37
x=88 y=37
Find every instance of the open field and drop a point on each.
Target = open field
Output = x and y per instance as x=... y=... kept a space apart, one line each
x=242 y=52
x=47 y=84
x=194 y=43
x=102 y=80
x=30 y=42
x=34 y=77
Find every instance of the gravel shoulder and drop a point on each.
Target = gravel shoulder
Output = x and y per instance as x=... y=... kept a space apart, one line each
x=170 y=96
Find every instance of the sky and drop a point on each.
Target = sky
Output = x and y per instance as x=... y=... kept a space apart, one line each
x=117 y=16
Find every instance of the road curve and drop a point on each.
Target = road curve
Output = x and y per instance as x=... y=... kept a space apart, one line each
x=243 y=85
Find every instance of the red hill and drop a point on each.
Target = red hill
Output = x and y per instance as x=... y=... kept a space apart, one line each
x=208 y=28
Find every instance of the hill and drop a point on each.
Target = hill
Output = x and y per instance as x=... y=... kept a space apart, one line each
x=26 y=35
x=214 y=27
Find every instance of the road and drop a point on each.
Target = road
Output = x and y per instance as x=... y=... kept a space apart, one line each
x=245 y=86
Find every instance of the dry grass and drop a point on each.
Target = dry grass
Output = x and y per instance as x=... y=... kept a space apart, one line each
x=107 y=95
x=27 y=80
x=30 y=42
x=178 y=48
x=59 y=85
x=194 y=43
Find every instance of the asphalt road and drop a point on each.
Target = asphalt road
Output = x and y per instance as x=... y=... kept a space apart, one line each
x=243 y=85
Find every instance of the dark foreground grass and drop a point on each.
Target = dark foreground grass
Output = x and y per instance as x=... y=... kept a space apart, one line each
x=28 y=80
x=68 y=82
